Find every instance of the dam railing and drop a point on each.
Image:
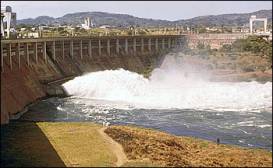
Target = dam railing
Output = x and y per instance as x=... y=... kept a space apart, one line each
x=79 y=47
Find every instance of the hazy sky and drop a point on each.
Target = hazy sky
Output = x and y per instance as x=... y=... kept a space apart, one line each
x=169 y=10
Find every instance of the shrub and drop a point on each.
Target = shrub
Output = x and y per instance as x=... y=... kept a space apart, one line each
x=254 y=44
x=248 y=69
x=200 y=46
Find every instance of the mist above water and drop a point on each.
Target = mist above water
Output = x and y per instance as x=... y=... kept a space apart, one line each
x=175 y=85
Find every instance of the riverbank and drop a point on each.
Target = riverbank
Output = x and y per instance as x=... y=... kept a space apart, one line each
x=168 y=150
x=60 y=144
x=79 y=144
x=242 y=68
x=231 y=76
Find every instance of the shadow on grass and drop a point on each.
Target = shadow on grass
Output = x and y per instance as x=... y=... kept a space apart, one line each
x=24 y=144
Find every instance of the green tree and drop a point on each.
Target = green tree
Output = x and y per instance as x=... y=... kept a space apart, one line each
x=253 y=44
x=202 y=30
x=226 y=48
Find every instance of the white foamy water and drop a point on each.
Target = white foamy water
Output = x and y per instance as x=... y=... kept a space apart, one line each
x=174 y=85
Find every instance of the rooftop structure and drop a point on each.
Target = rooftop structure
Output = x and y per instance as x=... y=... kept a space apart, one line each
x=254 y=18
x=87 y=23
x=10 y=18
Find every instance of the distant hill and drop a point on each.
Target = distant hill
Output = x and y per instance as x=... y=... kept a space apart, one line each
x=37 y=21
x=124 y=20
x=98 y=18
x=226 y=19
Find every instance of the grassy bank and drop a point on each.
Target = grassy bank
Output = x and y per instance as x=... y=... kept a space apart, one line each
x=78 y=144
x=167 y=150
x=58 y=144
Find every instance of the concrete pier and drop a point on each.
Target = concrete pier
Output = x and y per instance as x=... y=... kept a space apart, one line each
x=44 y=52
x=99 y=45
x=142 y=45
x=117 y=46
x=90 y=48
x=27 y=53
x=19 y=55
x=134 y=45
x=2 y=59
x=54 y=50
x=126 y=46
x=108 y=48
x=10 y=56
x=36 y=52
x=81 y=49
x=71 y=49
x=63 y=48
x=150 y=45
x=156 y=44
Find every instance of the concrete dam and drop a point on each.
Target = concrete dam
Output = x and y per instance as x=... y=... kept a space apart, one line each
x=32 y=69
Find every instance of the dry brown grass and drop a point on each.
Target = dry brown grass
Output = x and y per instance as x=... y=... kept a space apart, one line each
x=80 y=144
x=168 y=150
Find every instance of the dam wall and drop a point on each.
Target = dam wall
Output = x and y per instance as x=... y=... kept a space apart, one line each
x=30 y=66
x=215 y=41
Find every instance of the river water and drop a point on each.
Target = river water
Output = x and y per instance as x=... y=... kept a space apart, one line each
x=178 y=98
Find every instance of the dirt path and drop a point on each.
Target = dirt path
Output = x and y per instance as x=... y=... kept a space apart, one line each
x=115 y=147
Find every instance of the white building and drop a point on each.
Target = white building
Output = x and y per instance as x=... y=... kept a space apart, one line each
x=87 y=23
x=254 y=18
x=105 y=26
x=33 y=34
x=211 y=28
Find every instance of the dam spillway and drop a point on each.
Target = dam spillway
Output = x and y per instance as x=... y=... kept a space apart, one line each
x=28 y=65
x=29 y=79
x=192 y=105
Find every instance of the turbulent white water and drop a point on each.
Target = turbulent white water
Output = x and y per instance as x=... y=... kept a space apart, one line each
x=174 y=85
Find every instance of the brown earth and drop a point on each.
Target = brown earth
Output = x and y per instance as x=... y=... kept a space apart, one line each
x=167 y=150
x=115 y=148
x=258 y=76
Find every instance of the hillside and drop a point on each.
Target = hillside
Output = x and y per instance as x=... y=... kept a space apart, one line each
x=226 y=19
x=98 y=18
x=124 y=20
